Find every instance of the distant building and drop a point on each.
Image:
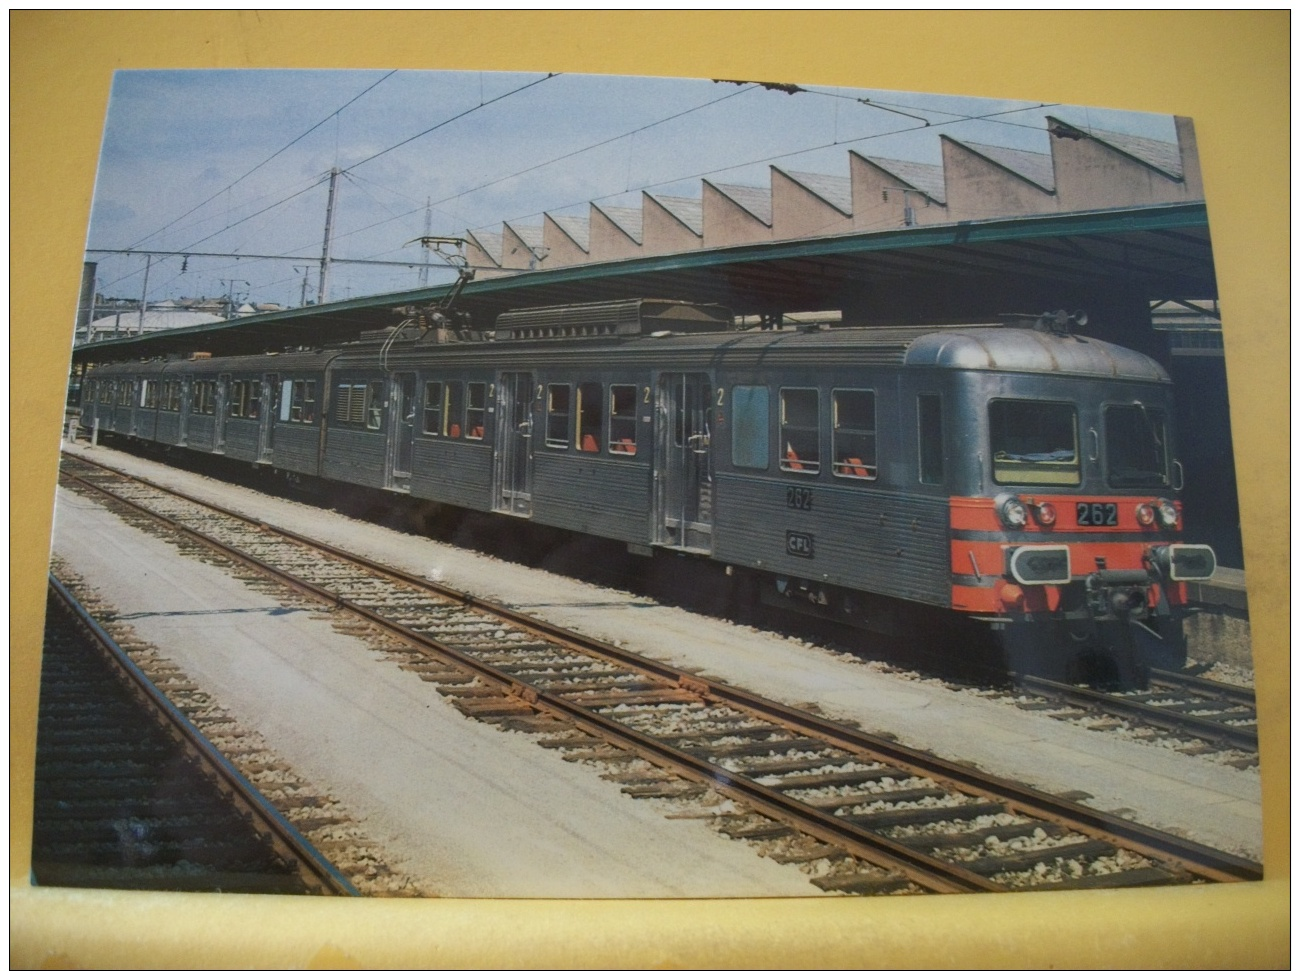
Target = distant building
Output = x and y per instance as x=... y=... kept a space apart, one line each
x=130 y=322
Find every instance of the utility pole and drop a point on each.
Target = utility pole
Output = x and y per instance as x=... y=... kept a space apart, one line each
x=306 y=278
x=230 y=295
x=144 y=292
x=322 y=294
x=428 y=228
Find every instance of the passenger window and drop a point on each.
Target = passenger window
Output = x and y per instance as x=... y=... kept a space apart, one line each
x=298 y=404
x=235 y=407
x=475 y=410
x=929 y=421
x=749 y=427
x=454 y=414
x=349 y=408
x=253 y=409
x=375 y=404
x=432 y=408
x=622 y=419
x=853 y=434
x=557 y=415
x=800 y=421
x=589 y=417
x=309 y=402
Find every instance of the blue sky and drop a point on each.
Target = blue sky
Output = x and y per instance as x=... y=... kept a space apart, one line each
x=207 y=141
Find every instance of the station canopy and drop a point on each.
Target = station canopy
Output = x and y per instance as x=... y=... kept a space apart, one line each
x=940 y=273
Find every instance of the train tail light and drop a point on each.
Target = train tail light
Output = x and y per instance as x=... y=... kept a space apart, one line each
x=1044 y=513
x=1146 y=514
x=1037 y=565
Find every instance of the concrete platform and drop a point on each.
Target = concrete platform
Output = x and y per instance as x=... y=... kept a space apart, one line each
x=1208 y=801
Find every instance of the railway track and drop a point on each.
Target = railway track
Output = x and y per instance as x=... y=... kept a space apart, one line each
x=1196 y=709
x=876 y=817
x=130 y=795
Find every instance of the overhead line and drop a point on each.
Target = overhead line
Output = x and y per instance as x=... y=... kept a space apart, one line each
x=773 y=158
x=552 y=161
x=442 y=124
x=264 y=161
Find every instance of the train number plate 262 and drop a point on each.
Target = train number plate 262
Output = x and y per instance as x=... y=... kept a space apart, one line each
x=1097 y=513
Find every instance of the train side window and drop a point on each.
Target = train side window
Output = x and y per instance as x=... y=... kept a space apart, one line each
x=150 y=394
x=800 y=424
x=853 y=434
x=349 y=403
x=235 y=407
x=749 y=426
x=432 y=424
x=253 y=406
x=622 y=419
x=309 y=402
x=454 y=414
x=589 y=417
x=375 y=404
x=295 y=403
x=475 y=410
x=558 y=406
x=929 y=430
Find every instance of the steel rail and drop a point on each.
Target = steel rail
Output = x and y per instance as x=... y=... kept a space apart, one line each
x=929 y=872
x=316 y=871
x=1205 y=688
x=1196 y=859
x=1246 y=737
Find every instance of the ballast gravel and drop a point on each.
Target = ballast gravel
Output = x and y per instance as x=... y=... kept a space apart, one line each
x=1213 y=803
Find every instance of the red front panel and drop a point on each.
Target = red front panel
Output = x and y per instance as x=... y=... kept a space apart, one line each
x=1102 y=532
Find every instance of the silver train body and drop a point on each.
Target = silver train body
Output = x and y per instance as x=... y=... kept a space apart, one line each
x=1016 y=477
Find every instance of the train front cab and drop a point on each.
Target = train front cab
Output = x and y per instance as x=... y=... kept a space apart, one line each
x=1064 y=522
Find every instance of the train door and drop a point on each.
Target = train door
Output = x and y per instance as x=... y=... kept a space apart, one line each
x=401 y=444
x=513 y=468
x=684 y=462
x=137 y=403
x=187 y=405
x=220 y=408
x=267 y=407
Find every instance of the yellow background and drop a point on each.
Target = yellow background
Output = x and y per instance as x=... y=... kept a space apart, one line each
x=1229 y=71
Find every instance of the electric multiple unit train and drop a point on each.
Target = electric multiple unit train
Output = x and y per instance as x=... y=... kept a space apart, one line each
x=1015 y=482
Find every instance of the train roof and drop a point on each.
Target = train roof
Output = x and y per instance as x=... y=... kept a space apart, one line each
x=1029 y=350
x=991 y=347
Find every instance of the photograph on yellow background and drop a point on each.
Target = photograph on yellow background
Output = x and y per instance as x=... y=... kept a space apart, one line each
x=545 y=485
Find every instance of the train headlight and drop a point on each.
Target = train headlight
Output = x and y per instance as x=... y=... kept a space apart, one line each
x=1038 y=565
x=1045 y=513
x=1168 y=514
x=1146 y=514
x=1013 y=512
